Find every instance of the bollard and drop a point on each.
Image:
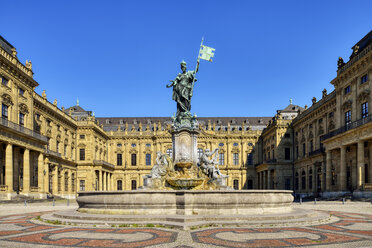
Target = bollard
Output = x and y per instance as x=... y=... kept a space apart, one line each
x=343 y=201
x=300 y=200
x=25 y=203
x=314 y=201
x=68 y=202
x=54 y=203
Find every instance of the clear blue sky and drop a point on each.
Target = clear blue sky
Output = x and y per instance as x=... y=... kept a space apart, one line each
x=117 y=56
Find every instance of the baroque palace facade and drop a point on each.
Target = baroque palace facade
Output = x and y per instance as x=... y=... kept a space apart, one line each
x=325 y=149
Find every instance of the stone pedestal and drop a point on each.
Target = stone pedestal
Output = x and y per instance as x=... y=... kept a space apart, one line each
x=185 y=145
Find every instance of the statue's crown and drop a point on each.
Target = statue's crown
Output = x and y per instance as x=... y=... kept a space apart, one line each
x=183 y=62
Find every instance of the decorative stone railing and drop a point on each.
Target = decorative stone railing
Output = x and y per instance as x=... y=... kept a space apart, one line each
x=317 y=151
x=348 y=127
x=15 y=61
x=16 y=127
x=53 y=153
x=102 y=162
x=355 y=59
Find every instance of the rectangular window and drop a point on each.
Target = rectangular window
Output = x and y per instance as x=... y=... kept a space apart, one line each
x=365 y=110
x=250 y=159
x=287 y=153
x=82 y=154
x=73 y=182
x=148 y=159
x=82 y=136
x=133 y=159
x=21 y=119
x=119 y=159
x=38 y=117
x=236 y=158
x=364 y=79
x=64 y=150
x=221 y=159
x=347 y=90
x=57 y=146
x=82 y=185
x=348 y=117
x=49 y=123
x=287 y=135
x=4 y=111
x=4 y=81
x=21 y=91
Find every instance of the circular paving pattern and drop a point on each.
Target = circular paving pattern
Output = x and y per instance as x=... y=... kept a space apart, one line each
x=350 y=230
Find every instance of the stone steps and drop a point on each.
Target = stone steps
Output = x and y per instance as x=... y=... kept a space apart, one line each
x=188 y=222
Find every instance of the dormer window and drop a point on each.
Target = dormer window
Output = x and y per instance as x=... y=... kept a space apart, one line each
x=121 y=122
x=107 y=121
x=134 y=122
x=21 y=91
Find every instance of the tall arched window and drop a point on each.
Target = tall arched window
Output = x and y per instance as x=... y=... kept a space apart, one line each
x=119 y=185
x=303 y=180
x=134 y=184
x=311 y=179
x=236 y=184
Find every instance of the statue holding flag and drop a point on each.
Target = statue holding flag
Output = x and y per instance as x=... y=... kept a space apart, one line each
x=183 y=86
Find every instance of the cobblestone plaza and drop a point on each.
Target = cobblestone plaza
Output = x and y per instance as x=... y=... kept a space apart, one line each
x=349 y=225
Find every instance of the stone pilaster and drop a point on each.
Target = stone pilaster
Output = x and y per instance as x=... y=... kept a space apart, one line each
x=9 y=167
x=26 y=171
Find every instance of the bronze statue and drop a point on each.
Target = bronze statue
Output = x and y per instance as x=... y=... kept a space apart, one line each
x=183 y=87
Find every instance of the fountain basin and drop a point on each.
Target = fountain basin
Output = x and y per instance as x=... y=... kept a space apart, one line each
x=186 y=202
x=185 y=183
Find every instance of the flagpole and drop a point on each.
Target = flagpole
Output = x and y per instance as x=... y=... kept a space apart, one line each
x=197 y=61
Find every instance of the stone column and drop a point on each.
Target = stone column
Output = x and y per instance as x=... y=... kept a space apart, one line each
x=40 y=173
x=314 y=175
x=26 y=171
x=104 y=181
x=46 y=176
x=328 y=178
x=360 y=167
x=9 y=167
x=342 y=178
x=100 y=180
x=264 y=180
x=370 y=163
x=268 y=179
x=55 y=180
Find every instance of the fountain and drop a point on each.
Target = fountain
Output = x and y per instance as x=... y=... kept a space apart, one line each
x=184 y=186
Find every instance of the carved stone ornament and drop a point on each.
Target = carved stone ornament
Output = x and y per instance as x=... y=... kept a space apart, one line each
x=347 y=104
x=7 y=99
x=340 y=62
x=23 y=108
x=364 y=96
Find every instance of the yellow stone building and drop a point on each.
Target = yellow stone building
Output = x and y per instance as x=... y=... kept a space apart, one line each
x=328 y=145
x=325 y=149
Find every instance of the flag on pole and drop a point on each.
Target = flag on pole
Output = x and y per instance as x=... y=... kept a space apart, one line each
x=206 y=53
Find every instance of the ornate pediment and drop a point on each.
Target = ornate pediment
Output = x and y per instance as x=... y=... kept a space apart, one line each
x=7 y=99
x=347 y=104
x=133 y=150
x=364 y=96
x=23 y=108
